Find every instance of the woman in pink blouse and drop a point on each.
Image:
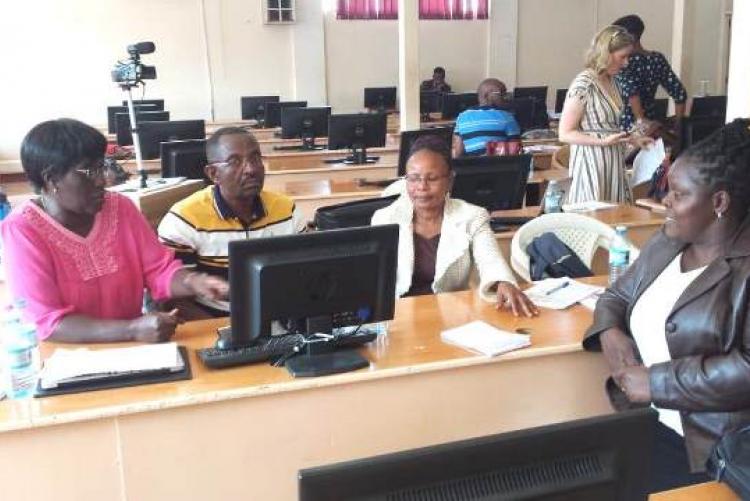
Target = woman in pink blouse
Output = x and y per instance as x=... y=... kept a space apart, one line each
x=80 y=256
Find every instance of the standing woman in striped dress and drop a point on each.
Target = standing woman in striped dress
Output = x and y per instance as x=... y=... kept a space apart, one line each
x=590 y=122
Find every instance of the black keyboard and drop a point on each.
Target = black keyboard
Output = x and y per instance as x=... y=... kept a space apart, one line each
x=267 y=348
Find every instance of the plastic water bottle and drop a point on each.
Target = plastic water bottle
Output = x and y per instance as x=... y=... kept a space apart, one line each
x=553 y=198
x=20 y=351
x=4 y=204
x=619 y=254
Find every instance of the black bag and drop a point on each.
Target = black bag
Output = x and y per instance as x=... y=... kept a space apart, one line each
x=729 y=461
x=549 y=255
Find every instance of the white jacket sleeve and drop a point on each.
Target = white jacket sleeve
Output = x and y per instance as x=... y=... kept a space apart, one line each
x=491 y=265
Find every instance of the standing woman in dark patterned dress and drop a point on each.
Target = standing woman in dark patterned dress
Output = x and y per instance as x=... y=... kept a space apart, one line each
x=590 y=122
x=639 y=80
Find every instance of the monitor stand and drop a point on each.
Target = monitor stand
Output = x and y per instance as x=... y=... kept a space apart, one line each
x=359 y=156
x=308 y=144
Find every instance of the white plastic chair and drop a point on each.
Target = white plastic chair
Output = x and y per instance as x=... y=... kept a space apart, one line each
x=583 y=234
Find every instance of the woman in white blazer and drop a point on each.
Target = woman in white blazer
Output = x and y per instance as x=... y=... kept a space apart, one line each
x=440 y=238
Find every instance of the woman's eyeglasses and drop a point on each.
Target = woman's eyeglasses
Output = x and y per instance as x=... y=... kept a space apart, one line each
x=93 y=171
x=429 y=179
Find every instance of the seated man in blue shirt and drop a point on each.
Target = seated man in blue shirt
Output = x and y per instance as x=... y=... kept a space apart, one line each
x=487 y=122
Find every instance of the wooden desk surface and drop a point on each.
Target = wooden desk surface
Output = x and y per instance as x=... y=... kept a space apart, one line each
x=709 y=491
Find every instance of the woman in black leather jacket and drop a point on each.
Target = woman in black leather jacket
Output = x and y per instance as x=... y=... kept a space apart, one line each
x=675 y=329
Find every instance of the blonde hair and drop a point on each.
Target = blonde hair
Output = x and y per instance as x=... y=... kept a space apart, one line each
x=610 y=39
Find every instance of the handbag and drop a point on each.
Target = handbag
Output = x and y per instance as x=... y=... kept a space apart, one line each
x=729 y=461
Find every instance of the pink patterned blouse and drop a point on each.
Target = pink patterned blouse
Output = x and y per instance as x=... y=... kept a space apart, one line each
x=102 y=275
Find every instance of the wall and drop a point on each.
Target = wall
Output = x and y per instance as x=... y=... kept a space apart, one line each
x=703 y=47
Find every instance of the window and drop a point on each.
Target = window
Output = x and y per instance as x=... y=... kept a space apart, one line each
x=428 y=9
x=279 y=11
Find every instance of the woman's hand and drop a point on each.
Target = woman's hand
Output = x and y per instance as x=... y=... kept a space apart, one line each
x=634 y=381
x=510 y=297
x=155 y=327
x=642 y=142
x=617 y=138
x=618 y=348
x=207 y=286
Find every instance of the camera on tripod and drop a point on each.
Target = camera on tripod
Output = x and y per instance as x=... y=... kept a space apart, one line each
x=131 y=72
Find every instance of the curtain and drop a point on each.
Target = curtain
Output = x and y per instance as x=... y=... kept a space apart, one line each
x=428 y=9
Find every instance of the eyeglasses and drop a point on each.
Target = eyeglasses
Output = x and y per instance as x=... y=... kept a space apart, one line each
x=430 y=179
x=94 y=171
x=236 y=161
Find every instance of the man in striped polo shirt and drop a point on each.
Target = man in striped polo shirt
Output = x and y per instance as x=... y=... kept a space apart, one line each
x=477 y=126
x=200 y=227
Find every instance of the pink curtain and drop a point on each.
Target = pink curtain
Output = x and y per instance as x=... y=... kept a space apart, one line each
x=428 y=9
x=367 y=9
x=434 y=9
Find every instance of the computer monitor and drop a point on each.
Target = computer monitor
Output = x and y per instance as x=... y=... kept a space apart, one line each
x=357 y=132
x=380 y=98
x=539 y=93
x=112 y=111
x=184 y=159
x=709 y=106
x=694 y=129
x=273 y=111
x=350 y=214
x=152 y=134
x=595 y=459
x=523 y=110
x=493 y=182
x=660 y=109
x=560 y=96
x=122 y=124
x=409 y=136
x=305 y=124
x=454 y=104
x=254 y=107
x=157 y=103
x=430 y=101
x=316 y=281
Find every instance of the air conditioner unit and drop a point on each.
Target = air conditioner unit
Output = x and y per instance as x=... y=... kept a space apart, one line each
x=278 y=11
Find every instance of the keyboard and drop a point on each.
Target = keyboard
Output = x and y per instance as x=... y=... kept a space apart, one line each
x=507 y=223
x=267 y=348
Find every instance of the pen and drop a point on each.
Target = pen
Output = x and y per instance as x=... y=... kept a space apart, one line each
x=557 y=288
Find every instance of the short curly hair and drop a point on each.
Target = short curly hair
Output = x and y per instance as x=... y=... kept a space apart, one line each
x=722 y=162
x=435 y=144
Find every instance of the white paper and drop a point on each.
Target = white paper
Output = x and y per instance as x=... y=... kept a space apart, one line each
x=646 y=162
x=66 y=364
x=590 y=302
x=550 y=293
x=483 y=338
x=590 y=205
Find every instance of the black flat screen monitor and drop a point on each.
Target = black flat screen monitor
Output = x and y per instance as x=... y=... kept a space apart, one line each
x=273 y=111
x=492 y=182
x=357 y=132
x=560 y=96
x=709 y=106
x=305 y=124
x=112 y=111
x=154 y=133
x=350 y=214
x=380 y=98
x=408 y=137
x=605 y=458
x=184 y=159
x=523 y=110
x=122 y=124
x=157 y=103
x=659 y=111
x=695 y=129
x=539 y=93
x=347 y=274
x=430 y=101
x=254 y=107
x=454 y=104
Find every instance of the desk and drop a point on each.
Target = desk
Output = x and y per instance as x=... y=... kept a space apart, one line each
x=156 y=203
x=709 y=491
x=284 y=160
x=243 y=433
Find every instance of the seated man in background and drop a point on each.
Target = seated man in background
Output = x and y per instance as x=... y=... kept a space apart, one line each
x=437 y=83
x=487 y=122
x=200 y=227
x=639 y=80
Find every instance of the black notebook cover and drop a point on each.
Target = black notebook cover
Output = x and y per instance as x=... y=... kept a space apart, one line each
x=121 y=380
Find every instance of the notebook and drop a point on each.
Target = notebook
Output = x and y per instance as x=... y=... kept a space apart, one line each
x=560 y=293
x=483 y=338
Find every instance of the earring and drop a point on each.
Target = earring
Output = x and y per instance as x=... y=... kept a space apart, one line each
x=718 y=214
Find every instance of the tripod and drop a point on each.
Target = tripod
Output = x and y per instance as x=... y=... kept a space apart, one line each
x=128 y=88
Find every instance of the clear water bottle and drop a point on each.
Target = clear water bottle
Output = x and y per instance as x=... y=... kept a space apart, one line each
x=619 y=254
x=553 y=198
x=20 y=353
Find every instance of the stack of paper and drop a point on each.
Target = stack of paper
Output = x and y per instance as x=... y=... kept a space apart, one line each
x=590 y=205
x=559 y=293
x=483 y=338
x=78 y=365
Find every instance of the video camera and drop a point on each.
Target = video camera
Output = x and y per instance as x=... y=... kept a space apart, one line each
x=131 y=72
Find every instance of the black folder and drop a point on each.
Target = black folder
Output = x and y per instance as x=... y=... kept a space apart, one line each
x=121 y=380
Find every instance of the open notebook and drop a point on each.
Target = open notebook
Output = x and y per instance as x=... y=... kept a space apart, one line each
x=81 y=366
x=483 y=338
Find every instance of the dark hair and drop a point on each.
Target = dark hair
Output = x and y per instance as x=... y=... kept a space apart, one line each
x=52 y=148
x=433 y=143
x=439 y=70
x=722 y=161
x=212 y=145
x=633 y=24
